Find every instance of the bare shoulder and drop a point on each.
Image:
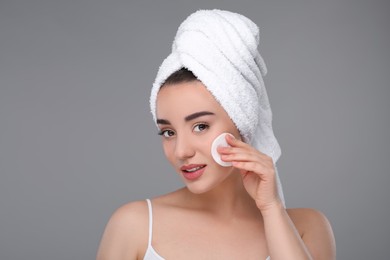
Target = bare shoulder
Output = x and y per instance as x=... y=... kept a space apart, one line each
x=126 y=233
x=315 y=230
x=130 y=213
x=307 y=218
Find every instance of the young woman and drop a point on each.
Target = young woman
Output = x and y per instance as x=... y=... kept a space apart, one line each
x=210 y=84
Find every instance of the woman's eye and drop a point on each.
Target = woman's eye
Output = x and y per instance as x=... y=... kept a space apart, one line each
x=200 y=127
x=166 y=133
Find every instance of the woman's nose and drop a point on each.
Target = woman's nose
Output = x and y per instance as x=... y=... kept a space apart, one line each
x=184 y=148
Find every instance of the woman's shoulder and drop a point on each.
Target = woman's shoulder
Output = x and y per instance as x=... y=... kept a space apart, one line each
x=314 y=228
x=126 y=232
x=135 y=212
x=133 y=217
x=130 y=213
x=308 y=217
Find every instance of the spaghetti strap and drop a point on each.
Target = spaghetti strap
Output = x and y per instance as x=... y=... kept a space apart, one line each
x=150 y=221
x=150 y=252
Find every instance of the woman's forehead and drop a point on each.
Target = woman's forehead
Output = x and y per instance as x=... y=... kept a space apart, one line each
x=186 y=97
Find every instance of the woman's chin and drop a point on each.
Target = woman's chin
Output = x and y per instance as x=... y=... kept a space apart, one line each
x=198 y=189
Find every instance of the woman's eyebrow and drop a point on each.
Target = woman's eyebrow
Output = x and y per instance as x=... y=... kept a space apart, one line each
x=187 y=118
x=163 y=122
x=197 y=114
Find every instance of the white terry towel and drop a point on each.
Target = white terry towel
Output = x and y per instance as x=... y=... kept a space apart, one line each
x=220 y=48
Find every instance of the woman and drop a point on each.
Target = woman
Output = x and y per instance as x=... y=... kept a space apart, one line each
x=211 y=84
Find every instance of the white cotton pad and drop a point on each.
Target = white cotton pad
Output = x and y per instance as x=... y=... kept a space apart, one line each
x=220 y=141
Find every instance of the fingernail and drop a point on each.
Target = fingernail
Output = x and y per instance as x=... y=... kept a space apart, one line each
x=232 y=136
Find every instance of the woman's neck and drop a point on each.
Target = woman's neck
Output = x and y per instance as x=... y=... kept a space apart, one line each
x=228 y=199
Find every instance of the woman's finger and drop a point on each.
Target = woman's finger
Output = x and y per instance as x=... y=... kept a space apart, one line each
x=250 y=151
x=242 y=157
x=234 y=142
x=258 y=169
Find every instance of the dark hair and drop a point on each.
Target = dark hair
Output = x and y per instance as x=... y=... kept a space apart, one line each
x=180 y=76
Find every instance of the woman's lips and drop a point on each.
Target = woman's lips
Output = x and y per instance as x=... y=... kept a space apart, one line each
x=192 y=171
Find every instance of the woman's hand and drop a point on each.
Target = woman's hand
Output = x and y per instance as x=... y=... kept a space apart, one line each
x=257 y=171
x=283 y=239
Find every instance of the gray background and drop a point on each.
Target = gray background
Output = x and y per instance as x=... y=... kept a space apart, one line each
x=77 y=139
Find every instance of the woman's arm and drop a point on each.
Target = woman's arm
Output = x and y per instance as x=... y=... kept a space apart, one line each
x=298 y=234
x=316 y=232
x=283 y=239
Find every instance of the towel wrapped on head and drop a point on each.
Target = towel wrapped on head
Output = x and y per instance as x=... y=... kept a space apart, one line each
x=220 y=48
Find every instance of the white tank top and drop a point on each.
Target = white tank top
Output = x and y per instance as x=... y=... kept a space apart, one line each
x=151 y=254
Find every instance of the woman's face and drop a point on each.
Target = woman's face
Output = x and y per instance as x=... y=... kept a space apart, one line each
x=189 y=119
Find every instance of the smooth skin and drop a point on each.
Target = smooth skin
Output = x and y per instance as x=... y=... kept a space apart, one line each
x=226 y=213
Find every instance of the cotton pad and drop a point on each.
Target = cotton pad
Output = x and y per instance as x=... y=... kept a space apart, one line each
x=220 y=141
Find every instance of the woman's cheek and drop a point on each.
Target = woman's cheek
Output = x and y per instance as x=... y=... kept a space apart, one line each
x=168 y=150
